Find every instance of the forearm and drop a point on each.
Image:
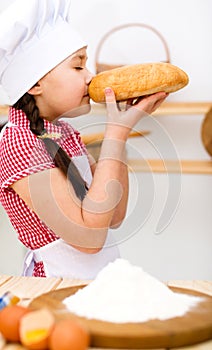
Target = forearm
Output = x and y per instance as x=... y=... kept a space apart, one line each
x=121 y=208
x=109 y=189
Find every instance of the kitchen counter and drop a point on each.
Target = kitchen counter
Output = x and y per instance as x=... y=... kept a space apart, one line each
x=28 y=288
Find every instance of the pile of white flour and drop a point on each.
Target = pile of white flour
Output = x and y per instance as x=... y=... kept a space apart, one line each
x=123 y=293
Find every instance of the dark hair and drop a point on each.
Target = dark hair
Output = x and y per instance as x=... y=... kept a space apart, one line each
x=61 y=159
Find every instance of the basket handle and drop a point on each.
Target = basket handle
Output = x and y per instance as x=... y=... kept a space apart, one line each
x=123 y=26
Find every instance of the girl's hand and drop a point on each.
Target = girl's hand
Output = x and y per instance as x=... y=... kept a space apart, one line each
x=120 y=122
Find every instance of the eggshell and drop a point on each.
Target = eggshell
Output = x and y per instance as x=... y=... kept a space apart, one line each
x=2 y=341
x=68 y=334
x=35 y=329
x=10 y=318
x=14 y=346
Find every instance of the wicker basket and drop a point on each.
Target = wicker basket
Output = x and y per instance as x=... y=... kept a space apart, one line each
x=101 y=66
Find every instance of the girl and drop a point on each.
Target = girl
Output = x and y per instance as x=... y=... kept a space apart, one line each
x=60 y=202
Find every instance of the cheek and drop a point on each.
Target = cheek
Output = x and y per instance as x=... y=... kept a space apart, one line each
x=72 y=88
x=64 y=92
x=68 y=99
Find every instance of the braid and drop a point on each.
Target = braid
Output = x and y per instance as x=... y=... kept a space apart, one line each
x=28 y=106
x=61 y=159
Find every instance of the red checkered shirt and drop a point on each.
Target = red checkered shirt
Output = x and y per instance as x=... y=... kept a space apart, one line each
x=23 y=154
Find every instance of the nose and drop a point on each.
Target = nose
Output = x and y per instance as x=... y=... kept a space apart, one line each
x=89 y=77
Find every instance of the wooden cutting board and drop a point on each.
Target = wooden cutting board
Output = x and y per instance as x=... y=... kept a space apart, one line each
x=192 y=328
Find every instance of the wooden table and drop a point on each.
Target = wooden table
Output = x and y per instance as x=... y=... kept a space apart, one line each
x=28 y=288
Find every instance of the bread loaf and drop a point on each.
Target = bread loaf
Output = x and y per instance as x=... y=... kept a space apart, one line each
x=137 y=80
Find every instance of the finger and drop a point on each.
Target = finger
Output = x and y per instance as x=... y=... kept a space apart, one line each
x=110 y=100
x=160 y=100
x=109 y=95
x=157 y=96
x=158 y=103
x=148 y=102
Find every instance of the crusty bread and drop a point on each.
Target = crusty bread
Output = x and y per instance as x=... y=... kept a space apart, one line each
x=137 y=80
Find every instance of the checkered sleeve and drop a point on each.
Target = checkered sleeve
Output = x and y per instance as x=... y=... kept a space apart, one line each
x=22 y=154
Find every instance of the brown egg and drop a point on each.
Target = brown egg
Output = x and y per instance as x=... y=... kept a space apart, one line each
x=14 y=346
x=35 y=329
x=10 y=318
x=68 y=334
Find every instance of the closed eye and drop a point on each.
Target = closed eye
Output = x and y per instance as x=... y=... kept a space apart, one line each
x=78 y=68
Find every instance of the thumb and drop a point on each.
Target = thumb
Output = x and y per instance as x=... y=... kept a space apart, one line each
x=109 y=95
x=110 y=100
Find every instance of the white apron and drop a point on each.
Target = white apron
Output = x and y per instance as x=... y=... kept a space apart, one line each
x=62 y=260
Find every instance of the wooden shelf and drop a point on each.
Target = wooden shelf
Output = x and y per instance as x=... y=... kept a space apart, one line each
x=96 y=139
x=167 y=108
x=171 y=166
x=190 y=108
x=3 y=110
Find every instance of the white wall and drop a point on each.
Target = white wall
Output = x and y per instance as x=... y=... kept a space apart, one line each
x=185 y=24
x=11 y=250
x=183 y=249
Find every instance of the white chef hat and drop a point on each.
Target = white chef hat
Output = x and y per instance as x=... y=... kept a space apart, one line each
x=35 y=36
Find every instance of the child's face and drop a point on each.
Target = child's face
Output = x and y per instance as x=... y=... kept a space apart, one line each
x=64 y=90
